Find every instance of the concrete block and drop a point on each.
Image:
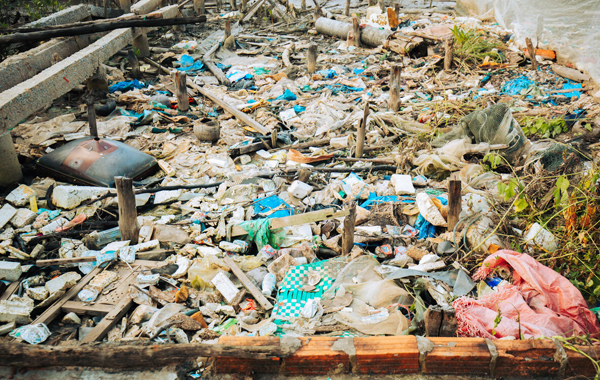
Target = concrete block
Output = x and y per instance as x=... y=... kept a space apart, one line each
x=65 y=16
x=63 y=282
x=10 y=170
x=71 y=319
x=16 y=309
x=38 y=293
x=20 y=196
x=10 y=271
x=23 y=217
x=6 y=213
x=69 y=197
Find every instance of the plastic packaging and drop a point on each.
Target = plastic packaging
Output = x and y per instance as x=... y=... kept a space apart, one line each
x=402 y=184
x=206 y=268
x=268 y=284
x=88 y=295
x=300 y=189
x=266 y=253
x=32 y=334
x=537 y=235
x=237 y=246
x=148 y=279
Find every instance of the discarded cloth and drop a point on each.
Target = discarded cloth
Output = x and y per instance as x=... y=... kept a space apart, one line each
x=539 y=303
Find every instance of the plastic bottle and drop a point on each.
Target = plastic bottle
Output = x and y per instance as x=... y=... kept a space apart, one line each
x=107 y=236
x=268 y=284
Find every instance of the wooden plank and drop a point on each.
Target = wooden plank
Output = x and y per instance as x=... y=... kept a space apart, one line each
x=10 y=290
x=53 y=311
x=83 y=308
x=72 y=260
x=109 y=321
x=257 y=294
x=294 y=220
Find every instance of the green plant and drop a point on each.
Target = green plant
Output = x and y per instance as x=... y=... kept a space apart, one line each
x=537 y=126
x=493 y=159
x=472 y=47
x=514 y=188
x=37 y=9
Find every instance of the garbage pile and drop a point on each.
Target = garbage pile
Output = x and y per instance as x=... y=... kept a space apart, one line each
x=301 y=190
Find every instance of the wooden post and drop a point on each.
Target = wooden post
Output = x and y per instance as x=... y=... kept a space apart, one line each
x=348 y=231
x=92 y=116
x=356 y=31
x=244 y=6
x=218 y=6
x=183 y=101
x=303 y=5
x=449 y=56
x=134 y=63
x=454 y=202
x=227 y=30
x=397 y=9
x=531 y=54
x=274 y=138
x=141 y=43
x=128 y=224
x=125 y=5
x=233 y=4
x=199 y=7
x=312 y=58
x=394 y=100
x=347 y=11
x=362 y=129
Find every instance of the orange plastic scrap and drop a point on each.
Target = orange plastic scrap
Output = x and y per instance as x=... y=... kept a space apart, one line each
x=296 y=156
x=548 y=54
x=254 y=106
x=392 y=18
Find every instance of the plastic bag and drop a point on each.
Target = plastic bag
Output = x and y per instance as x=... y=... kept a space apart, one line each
x=161 y=317
x=546 y=303
x=371 y=321
x=32 y=334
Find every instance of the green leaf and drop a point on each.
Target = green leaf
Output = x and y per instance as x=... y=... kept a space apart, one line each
x=521 y=205
x=588 y=126
x=597 y=291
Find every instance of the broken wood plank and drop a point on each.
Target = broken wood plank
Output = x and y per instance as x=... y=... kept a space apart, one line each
x=109 y=321
x=128 y=223
x=294 y=220
x=218 y=73
x=348 y=229
x=131 y=355
x=98 y=27
x=82 y=308
x=10 y=290
x=71 y=260
x=53 y=311
x=256 y=293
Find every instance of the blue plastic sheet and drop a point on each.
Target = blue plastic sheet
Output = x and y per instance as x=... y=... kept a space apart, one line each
x=287 y=95
x=270 y=203
x=187 y=64
x=298 y=109
x=517 y=86
x=126 y=86
x=374 y=200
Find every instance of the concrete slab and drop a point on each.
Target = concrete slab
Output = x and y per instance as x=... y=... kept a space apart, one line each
x=66 y=16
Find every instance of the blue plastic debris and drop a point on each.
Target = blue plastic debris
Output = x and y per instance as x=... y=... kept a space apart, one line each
x=187 y=63
x=327 y=74
x=425 y=228
x=126 y=86
x=287 y=95
x=517 y=86
x=298 y=109
x=374 y=200
x=358 y=71
x=270 y=203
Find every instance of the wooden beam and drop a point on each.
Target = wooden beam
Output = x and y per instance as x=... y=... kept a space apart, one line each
x=130 y=355
x=348 y=230
x=96 y=28
x=128 y=223
x=295 y=220
x=109 y=321
x=72 y=260
x=454 y=202
x=82 y=308
x=256 y=293
x=53 y=311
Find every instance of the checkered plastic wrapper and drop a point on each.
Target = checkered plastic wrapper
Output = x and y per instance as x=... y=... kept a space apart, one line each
x=291 y=299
